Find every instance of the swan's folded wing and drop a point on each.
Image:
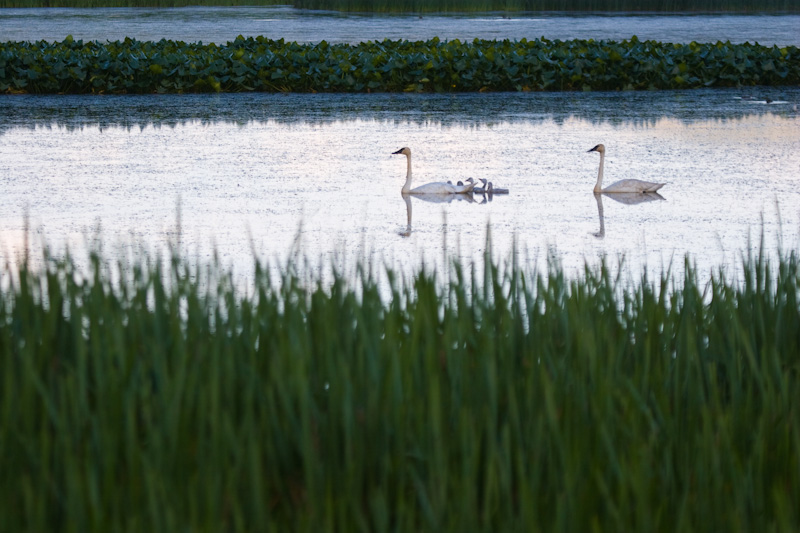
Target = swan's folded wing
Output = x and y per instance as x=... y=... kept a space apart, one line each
x=633 y=185
x=438 y=187
x=655 y=186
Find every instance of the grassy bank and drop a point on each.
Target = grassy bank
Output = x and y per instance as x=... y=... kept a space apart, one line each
x=262 y=64
x=453 y=6
x=514 y=402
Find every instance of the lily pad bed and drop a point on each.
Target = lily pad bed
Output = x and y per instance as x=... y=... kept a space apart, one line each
x=262 y=64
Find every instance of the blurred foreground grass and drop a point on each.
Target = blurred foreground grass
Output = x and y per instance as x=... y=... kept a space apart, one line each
x=155 y=397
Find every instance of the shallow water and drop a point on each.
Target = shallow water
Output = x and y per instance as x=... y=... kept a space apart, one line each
x=257 y=172
x=221 y=25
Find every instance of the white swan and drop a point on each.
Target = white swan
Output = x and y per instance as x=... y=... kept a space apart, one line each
x=438 y=187
x=630 y=185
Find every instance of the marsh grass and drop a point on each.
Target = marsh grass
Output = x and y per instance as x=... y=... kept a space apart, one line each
x=148 y=396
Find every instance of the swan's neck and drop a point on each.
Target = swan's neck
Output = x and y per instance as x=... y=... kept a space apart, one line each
x=599 y=185
x=407 y=186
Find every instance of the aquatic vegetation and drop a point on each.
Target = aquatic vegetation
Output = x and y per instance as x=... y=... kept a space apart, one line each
x=149 y=395
x=261 y=64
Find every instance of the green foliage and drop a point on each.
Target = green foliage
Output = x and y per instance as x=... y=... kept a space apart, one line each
x=145 y=397
x=261 y=64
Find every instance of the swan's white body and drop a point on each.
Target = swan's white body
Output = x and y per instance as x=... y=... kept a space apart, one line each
x=438 y=187
x=622 y=186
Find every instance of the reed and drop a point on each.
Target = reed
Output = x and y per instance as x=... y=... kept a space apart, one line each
x=453 y=6
x=149 y=395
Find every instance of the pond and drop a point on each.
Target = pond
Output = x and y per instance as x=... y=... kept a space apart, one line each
x=266 y=174
x=221 y=25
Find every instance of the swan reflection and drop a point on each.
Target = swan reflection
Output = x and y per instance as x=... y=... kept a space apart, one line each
x=627 y=198
x=469 y=198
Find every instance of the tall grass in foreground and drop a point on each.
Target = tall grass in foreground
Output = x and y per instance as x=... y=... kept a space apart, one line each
x=449 y=6
x=501 y=401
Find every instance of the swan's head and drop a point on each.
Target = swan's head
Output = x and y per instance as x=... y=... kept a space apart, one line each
x=406 y=151
x=599 y=148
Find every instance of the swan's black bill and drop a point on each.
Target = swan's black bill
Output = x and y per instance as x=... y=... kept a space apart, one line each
x=400 y=151
x=593 y=149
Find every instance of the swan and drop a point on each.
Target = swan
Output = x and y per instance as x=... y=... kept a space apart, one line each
x=630 y=185
x=438 y=187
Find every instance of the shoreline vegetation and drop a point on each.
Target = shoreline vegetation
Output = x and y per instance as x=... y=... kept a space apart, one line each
x=261 y=64
x=451 y=6
x=146 y=395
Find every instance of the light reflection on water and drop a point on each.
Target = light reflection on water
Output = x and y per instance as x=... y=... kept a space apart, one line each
x=223 y=24
x=623 y=108
x=254 y=171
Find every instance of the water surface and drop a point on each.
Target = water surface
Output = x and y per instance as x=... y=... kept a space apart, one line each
x=221 y=25
x=253 y=173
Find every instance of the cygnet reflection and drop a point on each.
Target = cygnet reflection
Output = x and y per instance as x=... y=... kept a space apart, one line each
x=438 y=199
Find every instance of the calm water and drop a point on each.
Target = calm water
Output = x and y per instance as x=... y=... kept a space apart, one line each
x=224 y=24
x=251 y=171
